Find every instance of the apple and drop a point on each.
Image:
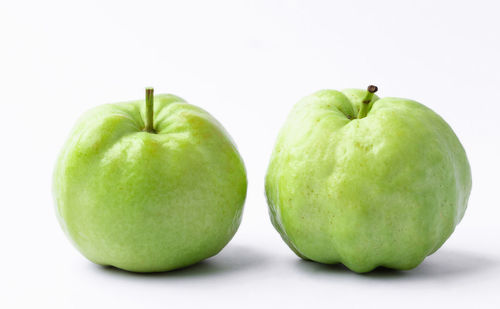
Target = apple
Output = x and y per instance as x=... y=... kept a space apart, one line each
x=149 y=188
x=366 y=182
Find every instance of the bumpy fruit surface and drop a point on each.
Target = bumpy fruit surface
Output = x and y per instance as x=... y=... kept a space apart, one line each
x=384 y=190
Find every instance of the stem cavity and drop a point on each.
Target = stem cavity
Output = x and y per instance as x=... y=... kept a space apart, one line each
x=149 y=110
x=363 y=111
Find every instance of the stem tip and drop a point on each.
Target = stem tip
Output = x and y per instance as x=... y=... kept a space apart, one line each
x=372 y=89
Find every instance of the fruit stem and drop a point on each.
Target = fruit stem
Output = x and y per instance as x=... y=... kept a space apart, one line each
x=363 y=111
x=149 y=110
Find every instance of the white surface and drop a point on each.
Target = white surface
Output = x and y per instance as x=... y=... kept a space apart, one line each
x=247 y=63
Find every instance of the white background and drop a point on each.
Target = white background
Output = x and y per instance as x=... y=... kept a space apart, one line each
x=247 y=63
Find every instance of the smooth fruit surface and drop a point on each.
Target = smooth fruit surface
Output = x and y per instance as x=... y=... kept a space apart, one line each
x=385 y=190
x=149 y=202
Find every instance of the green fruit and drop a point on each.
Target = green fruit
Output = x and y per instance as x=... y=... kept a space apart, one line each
x=366 y=182
x=149 y=198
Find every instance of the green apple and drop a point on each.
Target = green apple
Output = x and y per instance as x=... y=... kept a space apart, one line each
x=149 y=188
x=366 y=182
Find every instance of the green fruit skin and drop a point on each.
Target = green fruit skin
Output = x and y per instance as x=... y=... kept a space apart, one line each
x=385 y=190
x=148 y=202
